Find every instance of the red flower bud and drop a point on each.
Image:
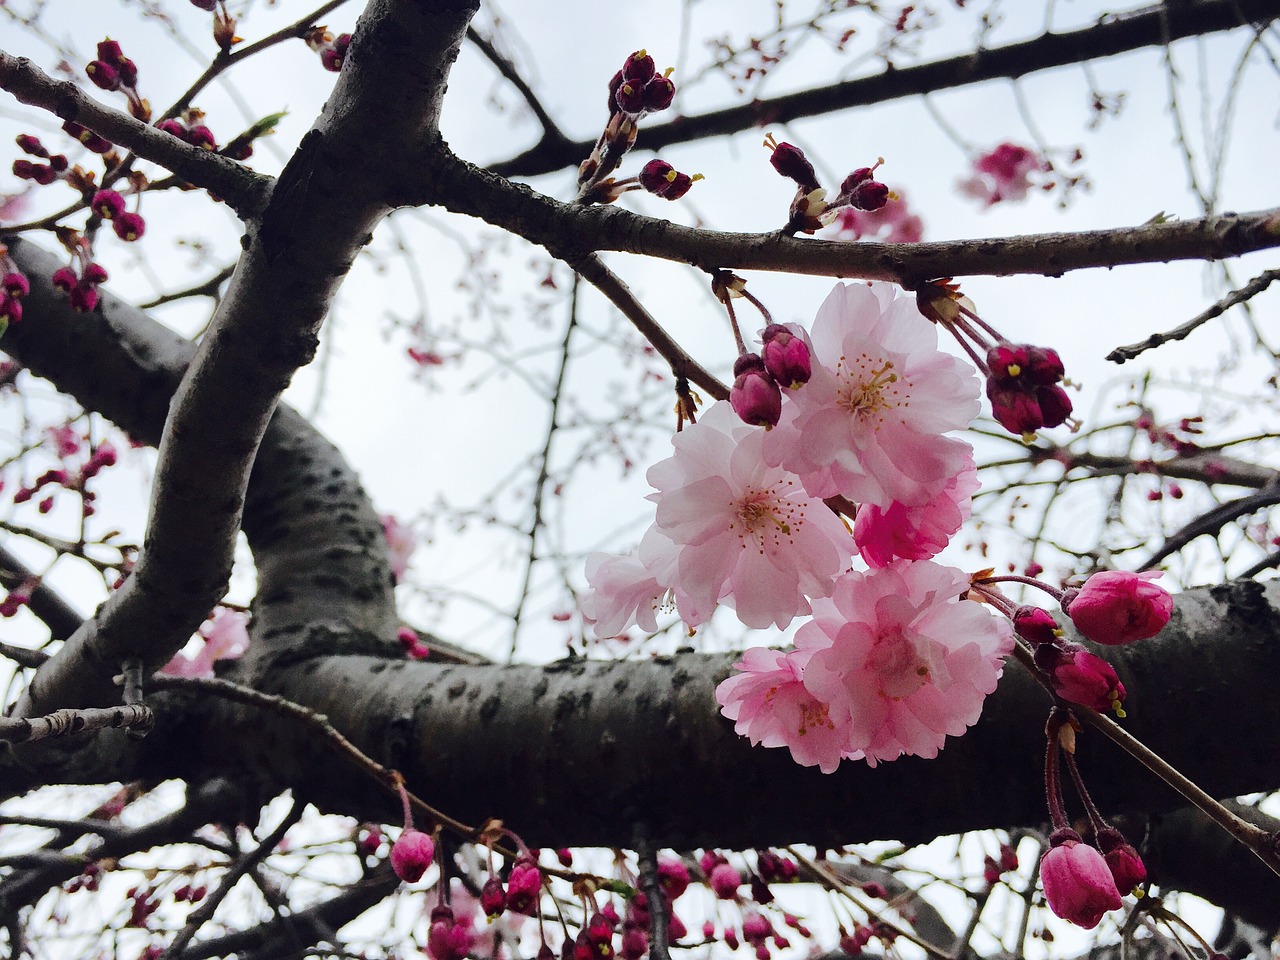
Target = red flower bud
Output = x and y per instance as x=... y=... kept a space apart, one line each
x=755 y=396
x=1084 y=678
x=658 y=94
x=1035 y=625
x=108 y=204
x=103 y=75
x=1078 y=885
x=32 y=145
x=1116 y=607
x=15 y=284
x=493 y=898
x=64 y=278
x=786 y=357
x=1127 y=868
x=411 y=854
x=129 y=226
x=790 y=161
x=639 y=67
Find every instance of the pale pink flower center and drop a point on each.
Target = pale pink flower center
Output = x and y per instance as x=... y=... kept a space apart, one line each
x=868 y=387
x=812 y=714
x=763 y=518
x=897 y=666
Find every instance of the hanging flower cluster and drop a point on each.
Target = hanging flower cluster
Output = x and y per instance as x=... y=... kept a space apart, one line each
x=894 y=660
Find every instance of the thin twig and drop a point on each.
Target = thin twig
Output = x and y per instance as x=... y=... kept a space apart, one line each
x=243 y=865
x=652 y=888
x=1247 y=292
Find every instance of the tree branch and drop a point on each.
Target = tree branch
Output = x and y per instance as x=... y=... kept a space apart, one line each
x=1116 y=34
x=296 y=255
x=243 y=190
x=569 y=228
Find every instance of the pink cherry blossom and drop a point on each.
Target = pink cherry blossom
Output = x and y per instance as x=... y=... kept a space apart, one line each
x=870 y=423
x=892 y=223
x=226 y=637
x=769 y=704
x=1002 y=174
x=401 y=542
x=906 y=663
x=622 y=593
x=919 y=532
x=744 y=533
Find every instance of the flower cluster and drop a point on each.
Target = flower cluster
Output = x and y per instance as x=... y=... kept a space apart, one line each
x=109 y=205
x=893 y=663
x=810 y=210
x=1002 y=174
x=40 y=173
x=190 y=128
x=112 y=71
x=1023 y=381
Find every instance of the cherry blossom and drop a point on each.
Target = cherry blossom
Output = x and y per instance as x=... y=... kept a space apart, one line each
x=622 y=593
x=401 y=543
x=870 y=423
x=892 y=223
x=1078 y=885
x=745 y=534
x=1002 y=174
x=226 y=637
x=769 y=704
x=901 y=659
x=919 y=532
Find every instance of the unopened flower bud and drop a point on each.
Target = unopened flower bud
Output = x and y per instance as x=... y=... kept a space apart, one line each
x=103 y=75
x=658 y=94
x=493 y=897
x=1116 y=607
x=1085 y=678
x=32 y=145
x=755 y=396
x=1127 y=868
x=725 y=881
x=790 y=161
x=1035 y=625
x=64 y=278
x=1078 y=885
x=786 y=357
x=15 y=285
x=639 y=67
x=412 y=854
x=129 y=226
x=108 y=204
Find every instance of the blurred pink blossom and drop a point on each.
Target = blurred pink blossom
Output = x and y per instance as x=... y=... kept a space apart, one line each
x=1003 y=174
x=401 y=542
x=892 y=223
x=226 y=637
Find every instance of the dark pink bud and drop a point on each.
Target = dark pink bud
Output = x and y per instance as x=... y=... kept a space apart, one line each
x=1006 y=362
x=109 y=51
x=786 y=357
x=615 y=82
x=639 y=67
x=755 y=396
x=411 y=854
x=493 y=898
x=869 y=195
x=990 y=871
x=1084 y=678
x=790 y=161
x=673 y=876
x=10 y=310
x=1035 y=625
x=447 y=939
x=59 y=163
x=524 y=887
x=209 y=5
x=1008 y=857
x=1116 y=607
x=1044 y=366
x=32 y=145
x=173 y=127
x=83 y=297
x=202 y=137
x=629 y=97
x=756 y=927
x=108 y=204
x=15 y=285
x=662 y=179
x=725 y=881
x=1127 y=868
x=95 y=273
x=103 y=75
x=64 y=278
x=129 y=226
x=658 y=94
x=1015 y=410
x=1078 y=885
x=91 y=141
x=635 y=942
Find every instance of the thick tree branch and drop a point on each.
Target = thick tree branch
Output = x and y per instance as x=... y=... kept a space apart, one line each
x=243 y=190
x=296 y=254
x=569 y=229
x=1120 y=33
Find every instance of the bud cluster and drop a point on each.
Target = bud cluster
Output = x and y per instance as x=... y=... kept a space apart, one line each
x=1024 y=382
x=331 y=49
x=635 y=91
x=113 y=71
x=810 y=210
x=109 y=205
x=40 y=173
x=190 y=128
x=13 y=287
x=759 y=379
